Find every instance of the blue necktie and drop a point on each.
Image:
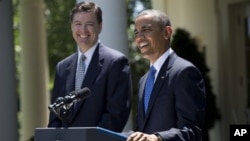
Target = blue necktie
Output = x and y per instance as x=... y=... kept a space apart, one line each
x=148 y=87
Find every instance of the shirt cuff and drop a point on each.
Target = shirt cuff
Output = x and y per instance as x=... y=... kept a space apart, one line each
x=158 y=136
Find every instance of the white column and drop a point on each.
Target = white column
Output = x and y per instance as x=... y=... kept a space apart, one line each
x=34 y=68
x=114 y=29
x=8 y=100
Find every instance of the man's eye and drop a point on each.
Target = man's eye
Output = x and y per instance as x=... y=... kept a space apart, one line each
x=146 y=29
x=77 y=23
x=90 y=24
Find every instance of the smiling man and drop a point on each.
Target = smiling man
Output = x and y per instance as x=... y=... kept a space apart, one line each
x=105 y=71
x=171 y=105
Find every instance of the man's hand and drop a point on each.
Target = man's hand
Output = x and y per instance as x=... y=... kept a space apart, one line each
x=139 y=136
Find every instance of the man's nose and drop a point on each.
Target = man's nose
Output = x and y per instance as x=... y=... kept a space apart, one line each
x=139 y=36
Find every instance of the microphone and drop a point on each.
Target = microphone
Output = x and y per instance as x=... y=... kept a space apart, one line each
x=74 y=96
x=58 y=103
x=77 y=95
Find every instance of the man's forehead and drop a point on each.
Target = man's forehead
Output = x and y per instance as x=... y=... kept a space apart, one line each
x=83 y=15
x=144 y=18
x=142 y=23
x=145 y=25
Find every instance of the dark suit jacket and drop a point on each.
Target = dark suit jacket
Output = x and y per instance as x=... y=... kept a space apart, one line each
x=109 y=79
x=177 y=104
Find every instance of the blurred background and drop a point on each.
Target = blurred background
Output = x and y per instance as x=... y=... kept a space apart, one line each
x=35 y=35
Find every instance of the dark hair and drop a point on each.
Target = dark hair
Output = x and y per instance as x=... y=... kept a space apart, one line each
x=158 y=16
x=86 y=6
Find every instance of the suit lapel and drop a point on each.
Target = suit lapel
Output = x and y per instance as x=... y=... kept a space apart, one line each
x=70 y=73
x=94 y=68
x=141 y=113
x=161 y=78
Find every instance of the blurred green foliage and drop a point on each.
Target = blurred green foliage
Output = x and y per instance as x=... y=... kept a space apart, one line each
x=60 y=42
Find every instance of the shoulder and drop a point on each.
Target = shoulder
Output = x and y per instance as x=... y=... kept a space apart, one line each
x=67 y=60
x=108 y=51
x=181 y=65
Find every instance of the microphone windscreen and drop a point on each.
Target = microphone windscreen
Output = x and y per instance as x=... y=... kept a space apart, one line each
x=59 y=100
x=82 y=93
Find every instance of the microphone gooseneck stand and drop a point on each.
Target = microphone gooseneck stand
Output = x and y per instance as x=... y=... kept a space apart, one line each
x=66 y=103
x=64 y=116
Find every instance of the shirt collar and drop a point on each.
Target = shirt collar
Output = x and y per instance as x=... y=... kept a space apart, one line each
x=159 y=62
x=89 y=53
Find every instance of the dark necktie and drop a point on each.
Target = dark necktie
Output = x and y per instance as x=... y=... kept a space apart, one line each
x=148 y=87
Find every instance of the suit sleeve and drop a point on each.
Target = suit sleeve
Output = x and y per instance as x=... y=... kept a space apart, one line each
x=190 y=103
x=54 y=121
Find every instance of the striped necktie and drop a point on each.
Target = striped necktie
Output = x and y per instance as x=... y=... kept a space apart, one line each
x=148 y=87
x=80 y=72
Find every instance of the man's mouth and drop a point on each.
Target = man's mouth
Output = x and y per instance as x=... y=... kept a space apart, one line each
x=83 y=36
x=143 y=44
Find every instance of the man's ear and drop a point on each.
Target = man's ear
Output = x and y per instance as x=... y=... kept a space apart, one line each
x=100 y=28
x=167 y=32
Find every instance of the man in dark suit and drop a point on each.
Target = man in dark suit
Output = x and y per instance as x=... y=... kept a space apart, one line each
x=176 y=105
x=106 y=72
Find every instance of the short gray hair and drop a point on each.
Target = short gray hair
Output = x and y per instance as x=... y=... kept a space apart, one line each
x=158 y=16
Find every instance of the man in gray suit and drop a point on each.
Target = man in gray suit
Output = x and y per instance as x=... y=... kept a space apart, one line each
x=105 y=71
x=171 y=104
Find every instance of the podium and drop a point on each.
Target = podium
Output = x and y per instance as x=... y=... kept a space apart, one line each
x=77 y=134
